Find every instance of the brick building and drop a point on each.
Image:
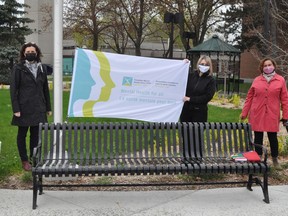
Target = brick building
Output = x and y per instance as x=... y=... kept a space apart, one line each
x=248 y=66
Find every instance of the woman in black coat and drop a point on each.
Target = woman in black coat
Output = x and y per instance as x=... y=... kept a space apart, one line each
x=30 y=98
x=199 y=91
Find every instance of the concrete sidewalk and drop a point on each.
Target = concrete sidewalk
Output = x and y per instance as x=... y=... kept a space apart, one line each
x=221 y=201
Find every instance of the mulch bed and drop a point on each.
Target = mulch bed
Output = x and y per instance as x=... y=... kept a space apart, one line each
x=277 y=177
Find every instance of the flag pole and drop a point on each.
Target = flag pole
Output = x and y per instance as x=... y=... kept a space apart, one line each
x=58 y=78
x=57 y=65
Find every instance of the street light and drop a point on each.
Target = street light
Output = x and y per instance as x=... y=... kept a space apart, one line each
x=173 y=19
x=188 y=36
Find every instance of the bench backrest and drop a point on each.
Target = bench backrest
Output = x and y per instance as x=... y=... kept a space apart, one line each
x=98 y=142
x=216 y=139
x=104 y=141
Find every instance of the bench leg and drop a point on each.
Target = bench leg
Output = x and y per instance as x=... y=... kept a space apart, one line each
x=264 y=185
x=250 y=182
x=35 y=190
x=265 y=188
x=40 y=186
x=37 y=185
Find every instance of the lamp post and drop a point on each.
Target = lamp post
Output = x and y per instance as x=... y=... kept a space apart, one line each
x=173 y=19
x=188 y=36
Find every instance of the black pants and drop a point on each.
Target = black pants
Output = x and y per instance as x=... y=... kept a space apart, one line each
x=21 y=141
x=272 y=137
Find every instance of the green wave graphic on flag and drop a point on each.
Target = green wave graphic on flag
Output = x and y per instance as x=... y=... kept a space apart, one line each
x=105 y=71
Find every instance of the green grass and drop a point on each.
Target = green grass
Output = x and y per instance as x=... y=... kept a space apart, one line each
x=9 y=158
x=219 y=114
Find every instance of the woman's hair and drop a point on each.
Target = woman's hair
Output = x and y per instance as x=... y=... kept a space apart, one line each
x=261 y=64
x=30 y=44
x=209 y=62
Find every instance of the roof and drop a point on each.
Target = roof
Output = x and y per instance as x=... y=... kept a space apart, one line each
x=214 y=44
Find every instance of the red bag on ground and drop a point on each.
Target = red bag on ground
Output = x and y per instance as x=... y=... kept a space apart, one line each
x=252 y=156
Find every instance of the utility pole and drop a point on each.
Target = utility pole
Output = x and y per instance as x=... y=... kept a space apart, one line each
x=173 y=19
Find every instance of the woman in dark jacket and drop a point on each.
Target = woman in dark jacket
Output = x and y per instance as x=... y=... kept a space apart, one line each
x=30 y=98
x=200 y=90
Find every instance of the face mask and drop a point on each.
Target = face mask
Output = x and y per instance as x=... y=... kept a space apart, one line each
x=30 y=57
x=203 y=68
x=268 y=70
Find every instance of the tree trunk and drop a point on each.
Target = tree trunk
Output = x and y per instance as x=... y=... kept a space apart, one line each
x=95 y=42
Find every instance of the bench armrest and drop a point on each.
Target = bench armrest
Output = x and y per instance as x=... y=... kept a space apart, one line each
x=264 y=150
x=36 y=154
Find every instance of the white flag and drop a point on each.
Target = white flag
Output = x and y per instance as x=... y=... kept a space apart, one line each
x=130 y=87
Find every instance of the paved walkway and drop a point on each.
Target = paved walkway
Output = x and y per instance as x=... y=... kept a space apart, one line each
x=221 y=201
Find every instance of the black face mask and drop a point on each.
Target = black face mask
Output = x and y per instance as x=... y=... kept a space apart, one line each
x=31 y=57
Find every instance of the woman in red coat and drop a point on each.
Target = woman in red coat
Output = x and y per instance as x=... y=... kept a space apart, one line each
x=265 y=98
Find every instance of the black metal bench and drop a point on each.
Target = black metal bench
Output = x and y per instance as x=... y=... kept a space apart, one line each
x=96 y=149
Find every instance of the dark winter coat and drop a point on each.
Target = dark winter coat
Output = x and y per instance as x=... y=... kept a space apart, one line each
x=200 y=89
x=29 y=96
